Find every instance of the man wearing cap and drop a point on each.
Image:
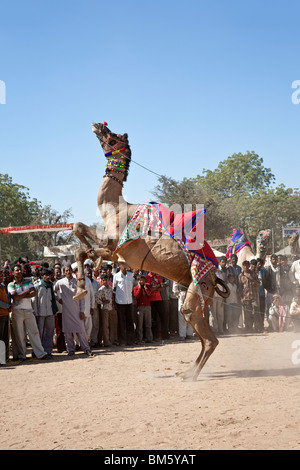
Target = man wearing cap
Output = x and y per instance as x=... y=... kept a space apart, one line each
x=45 y=308
x=72 y=312
x=122 y=289
x=89 y=303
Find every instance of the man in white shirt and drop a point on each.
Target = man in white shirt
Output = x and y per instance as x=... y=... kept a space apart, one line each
x=89 y=303
x=72 y=313
x=122 y=288
x=95 y=317
x=294 y=273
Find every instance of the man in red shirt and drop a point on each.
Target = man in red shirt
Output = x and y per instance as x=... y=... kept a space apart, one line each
x=142 y=293
x=159 y=315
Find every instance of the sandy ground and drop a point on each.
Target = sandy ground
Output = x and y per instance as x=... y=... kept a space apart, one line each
x=247 y=397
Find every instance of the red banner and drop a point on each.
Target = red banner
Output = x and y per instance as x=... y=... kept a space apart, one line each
x=36 y=228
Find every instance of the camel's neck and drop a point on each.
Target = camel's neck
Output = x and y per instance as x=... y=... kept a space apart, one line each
x=261 y=246
x=110 y=194
x=114 y=209
x=115 y=174
x=245 y=253
x=260 y=253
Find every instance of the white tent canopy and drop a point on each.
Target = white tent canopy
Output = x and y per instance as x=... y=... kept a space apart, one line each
x=218 y=253
x=285 y=251
x=57 y=251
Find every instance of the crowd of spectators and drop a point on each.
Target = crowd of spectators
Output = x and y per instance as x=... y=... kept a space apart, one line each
x=262 y=297
x=123 y=308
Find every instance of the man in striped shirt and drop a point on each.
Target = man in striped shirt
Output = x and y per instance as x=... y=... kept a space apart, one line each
x=22 y=290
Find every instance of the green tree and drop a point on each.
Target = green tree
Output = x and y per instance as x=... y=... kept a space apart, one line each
x=18 y=209
x=272 y=208
x=240 y=174
x=48 y=216
x=237 y=194
x=188 y=191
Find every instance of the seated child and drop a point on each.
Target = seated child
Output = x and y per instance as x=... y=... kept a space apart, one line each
x=295 y=312
x=278 y=314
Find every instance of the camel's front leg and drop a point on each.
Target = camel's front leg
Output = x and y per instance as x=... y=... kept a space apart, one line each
x=85 y=233
x=85 y=251
x=193 y=314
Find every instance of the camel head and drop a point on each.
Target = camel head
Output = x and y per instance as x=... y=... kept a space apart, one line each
x=294 y=243
x=110 y=141
x=116 y=149
x=262 y=242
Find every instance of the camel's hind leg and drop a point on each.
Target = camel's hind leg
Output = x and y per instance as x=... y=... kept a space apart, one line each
x=194 y=315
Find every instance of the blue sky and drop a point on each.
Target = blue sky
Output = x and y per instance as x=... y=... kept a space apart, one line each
x=190 y=82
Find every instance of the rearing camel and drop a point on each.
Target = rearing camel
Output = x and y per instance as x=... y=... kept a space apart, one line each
x=154 y=250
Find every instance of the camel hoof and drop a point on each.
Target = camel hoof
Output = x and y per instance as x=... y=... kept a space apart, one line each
x=179 y=374
x=80 y=294
x=185 y=376
x=188 y=378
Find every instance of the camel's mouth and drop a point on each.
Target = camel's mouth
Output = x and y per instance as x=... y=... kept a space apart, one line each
x=99 y=129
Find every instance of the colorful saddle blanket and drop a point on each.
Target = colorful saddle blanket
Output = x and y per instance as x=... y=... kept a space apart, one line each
x=238 y=241
x=157 y=220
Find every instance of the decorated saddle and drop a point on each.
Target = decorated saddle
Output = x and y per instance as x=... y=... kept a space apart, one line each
x=238 y=241
x=187 y=229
